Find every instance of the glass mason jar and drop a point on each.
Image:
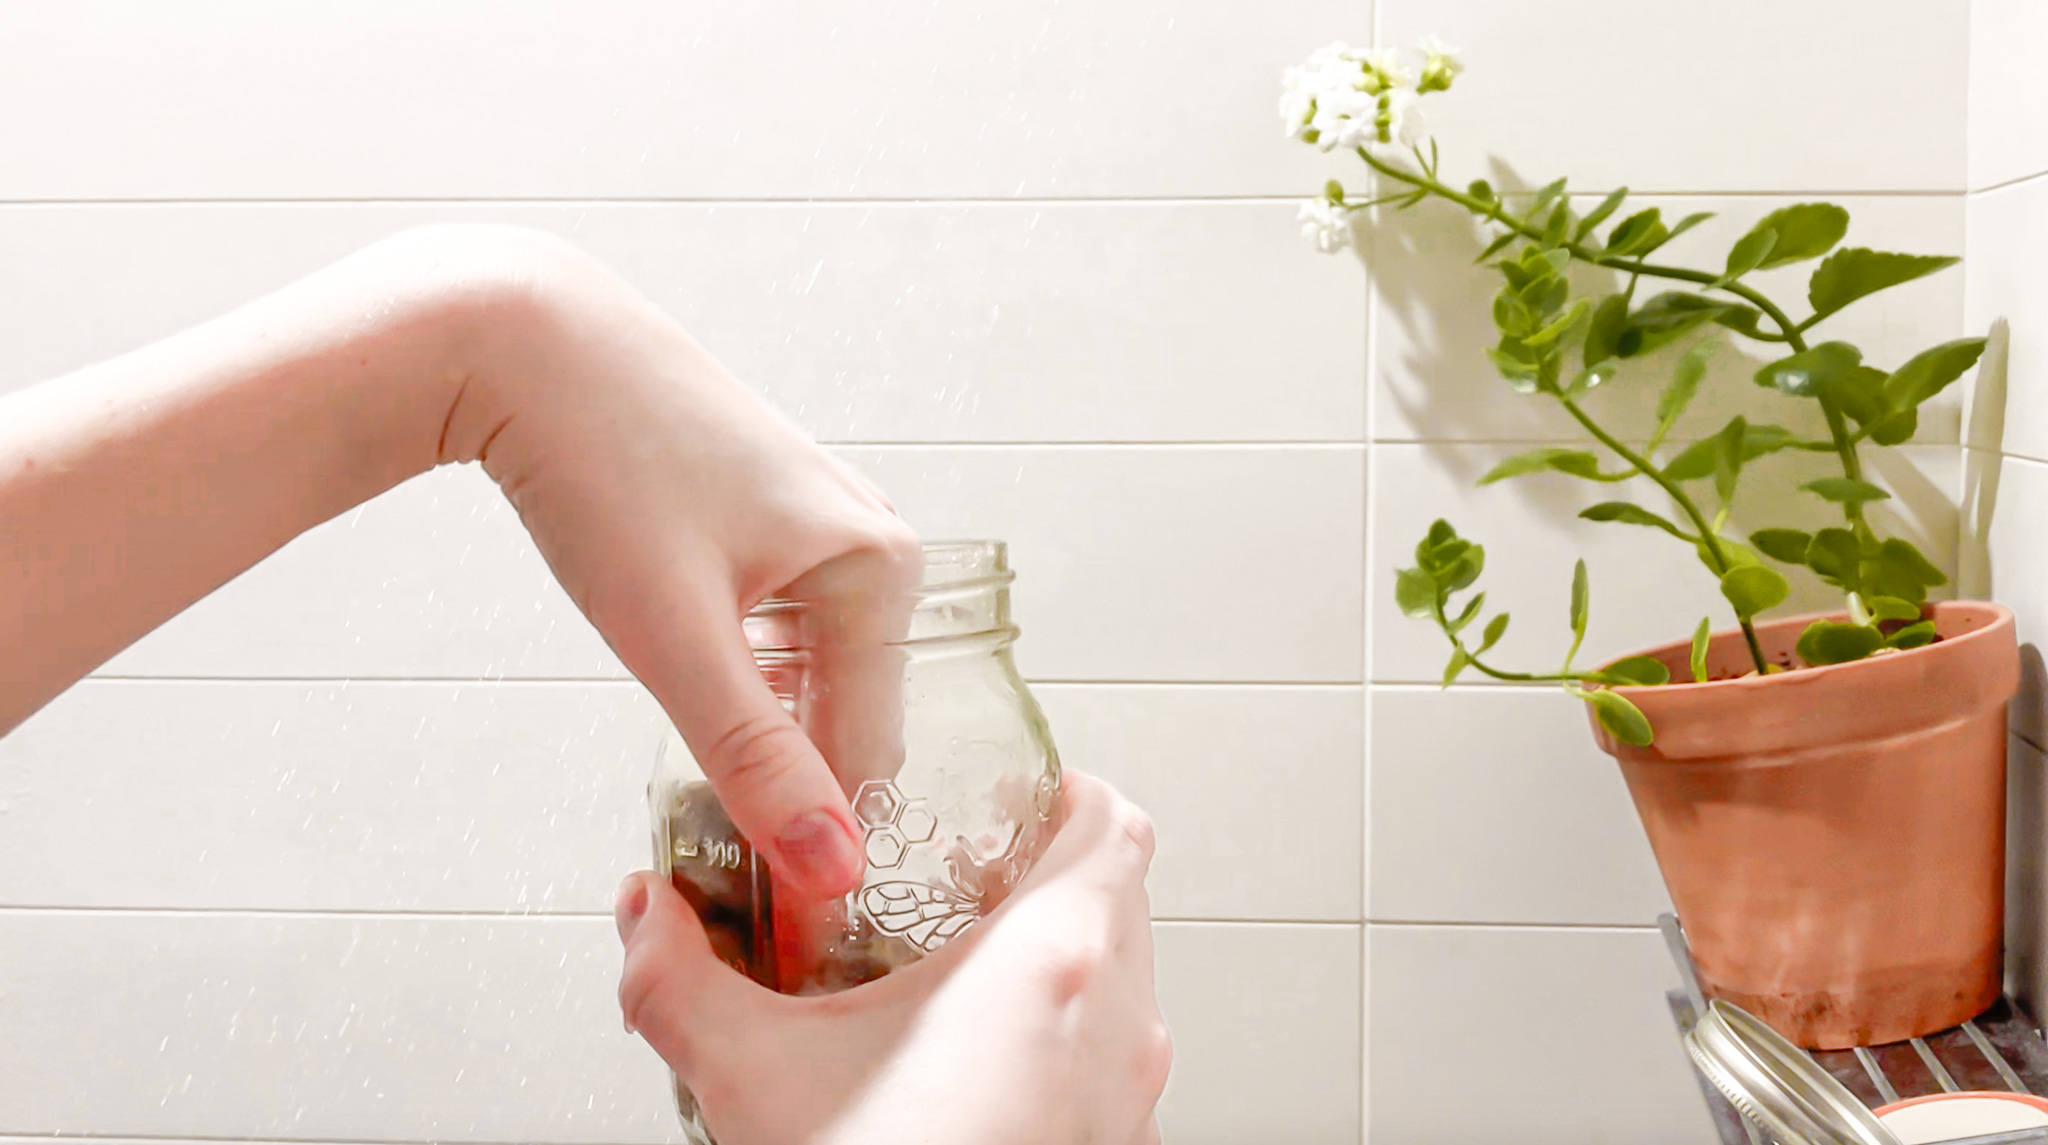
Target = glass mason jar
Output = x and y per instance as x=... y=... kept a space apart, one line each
x=941 y=750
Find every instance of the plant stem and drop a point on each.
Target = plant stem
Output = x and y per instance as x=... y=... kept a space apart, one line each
x=1709 y=539
x=1793 y=334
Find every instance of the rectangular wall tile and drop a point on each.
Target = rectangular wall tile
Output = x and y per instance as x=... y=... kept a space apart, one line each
x=329 y=796
x=530 y=798
x=372 y=1029
x=1219 y=564
x=1647 y=588
x=466 y=1029
x=2008 y=97
x=1233 y=564
x=2017 y=555
x=2004 y=283
x=1581 y=1013
x=1255 y=792
x=1266 y=1030
x=1704 y=104
x=1493 y=805
x=1433 y=380
x=632 y=98
x=894 y=322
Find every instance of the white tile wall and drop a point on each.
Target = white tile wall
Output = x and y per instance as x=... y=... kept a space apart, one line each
x=2007 y=443
x=641 y=99
x=871 y=322
x=394 y=1028
x=1033 y=267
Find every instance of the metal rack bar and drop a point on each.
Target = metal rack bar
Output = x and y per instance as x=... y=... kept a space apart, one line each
x=2000 y=1047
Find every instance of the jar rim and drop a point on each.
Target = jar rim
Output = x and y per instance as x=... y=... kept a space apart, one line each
x=964 y=592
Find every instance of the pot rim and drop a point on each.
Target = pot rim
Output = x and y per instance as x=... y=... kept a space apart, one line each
x=2001 y=619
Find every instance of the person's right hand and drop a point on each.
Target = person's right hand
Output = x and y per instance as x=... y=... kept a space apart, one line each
x=1036 y=1027
x=669 y=499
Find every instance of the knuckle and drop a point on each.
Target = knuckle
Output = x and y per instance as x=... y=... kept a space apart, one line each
x=755 y=753
x=1155 y=1062
x=1136 y=828
x=1068 y=970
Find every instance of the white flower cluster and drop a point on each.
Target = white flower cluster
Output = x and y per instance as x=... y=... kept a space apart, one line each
x=1326 y=224
x=1360 y=97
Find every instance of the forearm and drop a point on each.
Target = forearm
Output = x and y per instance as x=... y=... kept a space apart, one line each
x=133 y=488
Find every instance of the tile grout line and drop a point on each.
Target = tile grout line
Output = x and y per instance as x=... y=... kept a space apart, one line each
x=1276 y=199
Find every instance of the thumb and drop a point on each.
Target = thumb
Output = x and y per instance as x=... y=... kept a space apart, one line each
x=775 y=786
x=674 y=990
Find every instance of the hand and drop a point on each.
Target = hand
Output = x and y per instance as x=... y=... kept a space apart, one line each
x=669 y=500
x=666 y=497
x=1037 y=1026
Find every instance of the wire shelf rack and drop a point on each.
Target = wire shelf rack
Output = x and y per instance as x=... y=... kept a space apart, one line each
x=2000 y=1049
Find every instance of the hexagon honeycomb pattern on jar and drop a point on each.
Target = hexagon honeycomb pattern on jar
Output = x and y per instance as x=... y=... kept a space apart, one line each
x=877 y=803
x=892 y=823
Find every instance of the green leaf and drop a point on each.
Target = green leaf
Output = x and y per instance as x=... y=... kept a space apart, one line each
x=1609 y=318
x=1415 y=593
x=1698 y=459
x=1590 y=379
x=1846 y=490
x=1930 y=372
x=1495 y=629
x=1831 y=642
x=1748 y=253
x=1804 y=373
x=1899 y=570
x=1788 y=545
x=1481 y=190
x=1685 y=382
x=1699 y=649
x=1735 y=551
x=1521 y=374
x=1637 y=670
x=1754 y=588
x=1560 y=221
x=1497 y=245
x=1559 y=328
x=1836 y=556
x=1897 y=428
x=1664 y=318
x=1576 y=462
x=1623 y=720
x=1600 y=213
x=1850 y=274
x=1544 y=197
x=1685 y=224
x=1635 y=231
x=1744 y=320
x=1580 y=594
x=1892 y=608
x=1912 y=635
x=1459 y=660
x=1728 y=458
x=1805 y=230
x=1858 y=393
x=1466 y=616
x=1628 y=513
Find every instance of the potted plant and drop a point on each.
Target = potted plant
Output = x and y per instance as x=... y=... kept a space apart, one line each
x=1824 y=794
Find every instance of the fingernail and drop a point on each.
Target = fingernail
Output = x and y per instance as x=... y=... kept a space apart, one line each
x=817 y=850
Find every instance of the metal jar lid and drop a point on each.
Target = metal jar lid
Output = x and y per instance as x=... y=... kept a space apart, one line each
x=1773 y=1082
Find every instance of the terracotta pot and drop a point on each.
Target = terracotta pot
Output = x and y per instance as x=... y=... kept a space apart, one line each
x=1834 y=838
